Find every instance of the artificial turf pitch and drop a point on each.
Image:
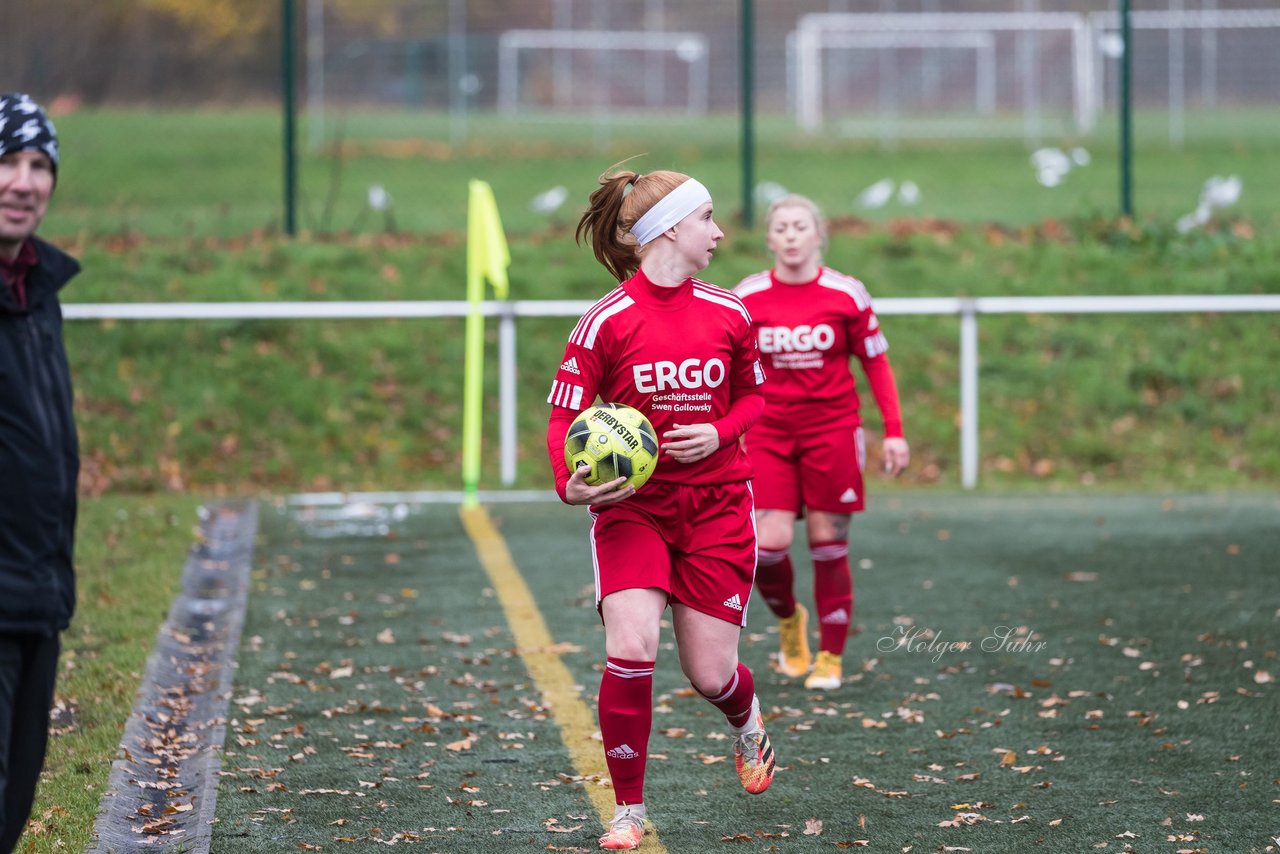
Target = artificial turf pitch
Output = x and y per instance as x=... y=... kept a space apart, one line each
x=1030 y=674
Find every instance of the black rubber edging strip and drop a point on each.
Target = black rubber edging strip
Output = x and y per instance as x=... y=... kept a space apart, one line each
x=163 y=785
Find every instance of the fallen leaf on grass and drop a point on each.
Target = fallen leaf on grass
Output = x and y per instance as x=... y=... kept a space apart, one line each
x=813 y=827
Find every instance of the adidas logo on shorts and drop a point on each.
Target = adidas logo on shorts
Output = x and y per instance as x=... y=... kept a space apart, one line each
x=571 y=365
x=849 y=496
x=733 y=602
x=838 y=617
x=622 y=751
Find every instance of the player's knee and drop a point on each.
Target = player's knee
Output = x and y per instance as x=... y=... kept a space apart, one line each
x=632 y=645
x=708 y=680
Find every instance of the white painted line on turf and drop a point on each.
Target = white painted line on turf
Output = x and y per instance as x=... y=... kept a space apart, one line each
x=553 y=679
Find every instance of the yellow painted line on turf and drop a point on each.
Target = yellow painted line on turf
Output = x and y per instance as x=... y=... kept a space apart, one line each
x=535 y=645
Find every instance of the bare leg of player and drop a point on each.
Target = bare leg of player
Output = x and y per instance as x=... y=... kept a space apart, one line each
x=709 y=656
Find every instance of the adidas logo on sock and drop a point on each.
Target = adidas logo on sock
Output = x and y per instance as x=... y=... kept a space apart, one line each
x=622 y=751
x=838 y=617
x=733 y=602
x=849 y=494
x=571 y=365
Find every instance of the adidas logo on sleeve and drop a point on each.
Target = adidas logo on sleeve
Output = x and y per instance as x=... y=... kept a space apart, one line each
x=571 y=365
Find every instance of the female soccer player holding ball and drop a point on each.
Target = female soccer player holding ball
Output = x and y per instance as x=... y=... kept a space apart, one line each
x=808 y=449
x=682 y=352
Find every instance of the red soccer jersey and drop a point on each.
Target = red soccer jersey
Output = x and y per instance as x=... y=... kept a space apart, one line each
x=807 y=334
x=682 y=355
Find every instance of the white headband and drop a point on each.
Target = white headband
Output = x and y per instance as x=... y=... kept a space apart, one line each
x=669 y=210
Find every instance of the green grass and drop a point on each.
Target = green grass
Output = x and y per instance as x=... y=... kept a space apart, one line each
x=1141 y=703
x=191 y=209
x=278 y=406
x=218 y=172
x=130 y=553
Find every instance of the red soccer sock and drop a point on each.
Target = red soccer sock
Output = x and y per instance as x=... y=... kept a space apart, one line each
x=626 y=716
x=833 y=593
x=734 y=699
x=775 y=580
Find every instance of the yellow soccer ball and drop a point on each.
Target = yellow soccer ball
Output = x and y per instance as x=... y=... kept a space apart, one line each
x=616 y=440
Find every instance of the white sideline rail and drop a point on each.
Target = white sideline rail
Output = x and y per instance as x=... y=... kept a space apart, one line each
x=967 y=309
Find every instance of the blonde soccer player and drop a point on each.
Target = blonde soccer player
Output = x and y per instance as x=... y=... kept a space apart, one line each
x=811 y=323
x=683 y=352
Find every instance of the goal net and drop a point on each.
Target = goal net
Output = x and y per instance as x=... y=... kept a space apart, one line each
x=1032 y=74
x=954 y=74
x=593 y=71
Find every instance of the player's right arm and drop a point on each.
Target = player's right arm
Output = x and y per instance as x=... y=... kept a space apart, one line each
x=574 y=389
x=571 y=487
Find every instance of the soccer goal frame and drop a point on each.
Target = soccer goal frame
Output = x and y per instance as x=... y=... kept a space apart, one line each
x=691 y=48
x=807 y=79
x=814 y=29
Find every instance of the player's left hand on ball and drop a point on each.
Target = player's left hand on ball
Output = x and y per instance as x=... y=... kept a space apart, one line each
x=897 y=456
x=688 y=443
x=578 y=491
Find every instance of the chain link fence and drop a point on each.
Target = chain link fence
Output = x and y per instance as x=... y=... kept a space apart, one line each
x=888 y=68
x=867 y=105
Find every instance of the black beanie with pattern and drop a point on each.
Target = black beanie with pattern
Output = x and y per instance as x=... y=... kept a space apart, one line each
x=24 y=126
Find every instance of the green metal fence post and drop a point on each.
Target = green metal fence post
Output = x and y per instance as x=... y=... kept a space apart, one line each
x=290 y=151
x=1126 y=111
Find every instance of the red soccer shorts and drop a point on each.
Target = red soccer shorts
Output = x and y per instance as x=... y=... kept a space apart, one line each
x=697 y=543
x=821 y=470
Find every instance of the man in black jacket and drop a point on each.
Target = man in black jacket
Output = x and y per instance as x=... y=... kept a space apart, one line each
x=39 y=457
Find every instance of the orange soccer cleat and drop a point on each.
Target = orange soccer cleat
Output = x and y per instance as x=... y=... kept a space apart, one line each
x=626 y=830
x=827 y=673
x=793 y=643
x=753 y=755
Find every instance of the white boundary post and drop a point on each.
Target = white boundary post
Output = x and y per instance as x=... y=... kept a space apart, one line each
x=969 y=461
x=507 y=366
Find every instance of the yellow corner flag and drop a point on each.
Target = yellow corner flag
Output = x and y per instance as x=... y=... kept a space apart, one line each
x=487 y=258
x=487 y=253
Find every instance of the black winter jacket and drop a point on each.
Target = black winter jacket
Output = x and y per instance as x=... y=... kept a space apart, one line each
x=39 y=454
